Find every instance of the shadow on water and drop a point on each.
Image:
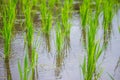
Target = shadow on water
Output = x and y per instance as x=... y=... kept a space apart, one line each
x=47 y=41
x=59 y=64
x=67 y=44
x=7 y=69
x=107 y=35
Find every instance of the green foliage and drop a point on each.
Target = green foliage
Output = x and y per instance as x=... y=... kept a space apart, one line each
x=84 y=12
x=9 y=14
x=59 y=38
x=65 y=14
x=108 y=12
x=46 y=16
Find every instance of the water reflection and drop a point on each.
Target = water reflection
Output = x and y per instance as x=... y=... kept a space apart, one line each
x=7 y=69
x=67 y=46
x=107 y=35
x=61 y=56
x=47 y=41
x=84 y=36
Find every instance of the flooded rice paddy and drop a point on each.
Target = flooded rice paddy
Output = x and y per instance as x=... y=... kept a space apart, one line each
x=49 y=65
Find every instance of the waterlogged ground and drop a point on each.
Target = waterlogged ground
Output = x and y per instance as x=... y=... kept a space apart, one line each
x=47 y=68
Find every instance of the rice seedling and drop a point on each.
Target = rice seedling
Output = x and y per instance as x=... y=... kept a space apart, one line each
x=84 y=8
x=8 y=23
x=108 y=14
x=27 y=6
x=65 y=14
x=59 y=50
x=51 y=4
x=46 y=17
x=94 y=50
x=59 y=38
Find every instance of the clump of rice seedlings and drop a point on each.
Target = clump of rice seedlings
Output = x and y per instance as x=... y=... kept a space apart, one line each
x=93 y=48
x=34 y=2
x=108 y=14
x=59 y=38
x=59 y=48
x=59 y=44
x=46 y=17
x=29 y=25
x=51 y=4
x=9 y=14
x=84 y=9
x=65 y=14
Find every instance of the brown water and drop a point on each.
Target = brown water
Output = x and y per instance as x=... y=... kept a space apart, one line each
x=48 y=68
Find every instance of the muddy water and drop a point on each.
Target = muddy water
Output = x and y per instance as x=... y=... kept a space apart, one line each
x=48 y=68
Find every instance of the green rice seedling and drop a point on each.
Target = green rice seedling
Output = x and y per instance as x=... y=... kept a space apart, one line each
x=65 y=14
x=59 y=44
x=34 y=2
x=107 y=11
x=29 y=25
x=108 y=15
x=46 y=17
x=59 y=48
x=93 y=50
x=51 y=4
x=9 y=13
x=84 y=9
x=59 y=38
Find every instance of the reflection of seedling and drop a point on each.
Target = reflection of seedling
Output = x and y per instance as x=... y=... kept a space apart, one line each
x=28 y=71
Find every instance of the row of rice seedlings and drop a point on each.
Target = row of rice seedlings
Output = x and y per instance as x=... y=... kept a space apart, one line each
x=94 y=50
x=28 y=71
x=46 y=17
x=8 y=15
x=108 y=15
